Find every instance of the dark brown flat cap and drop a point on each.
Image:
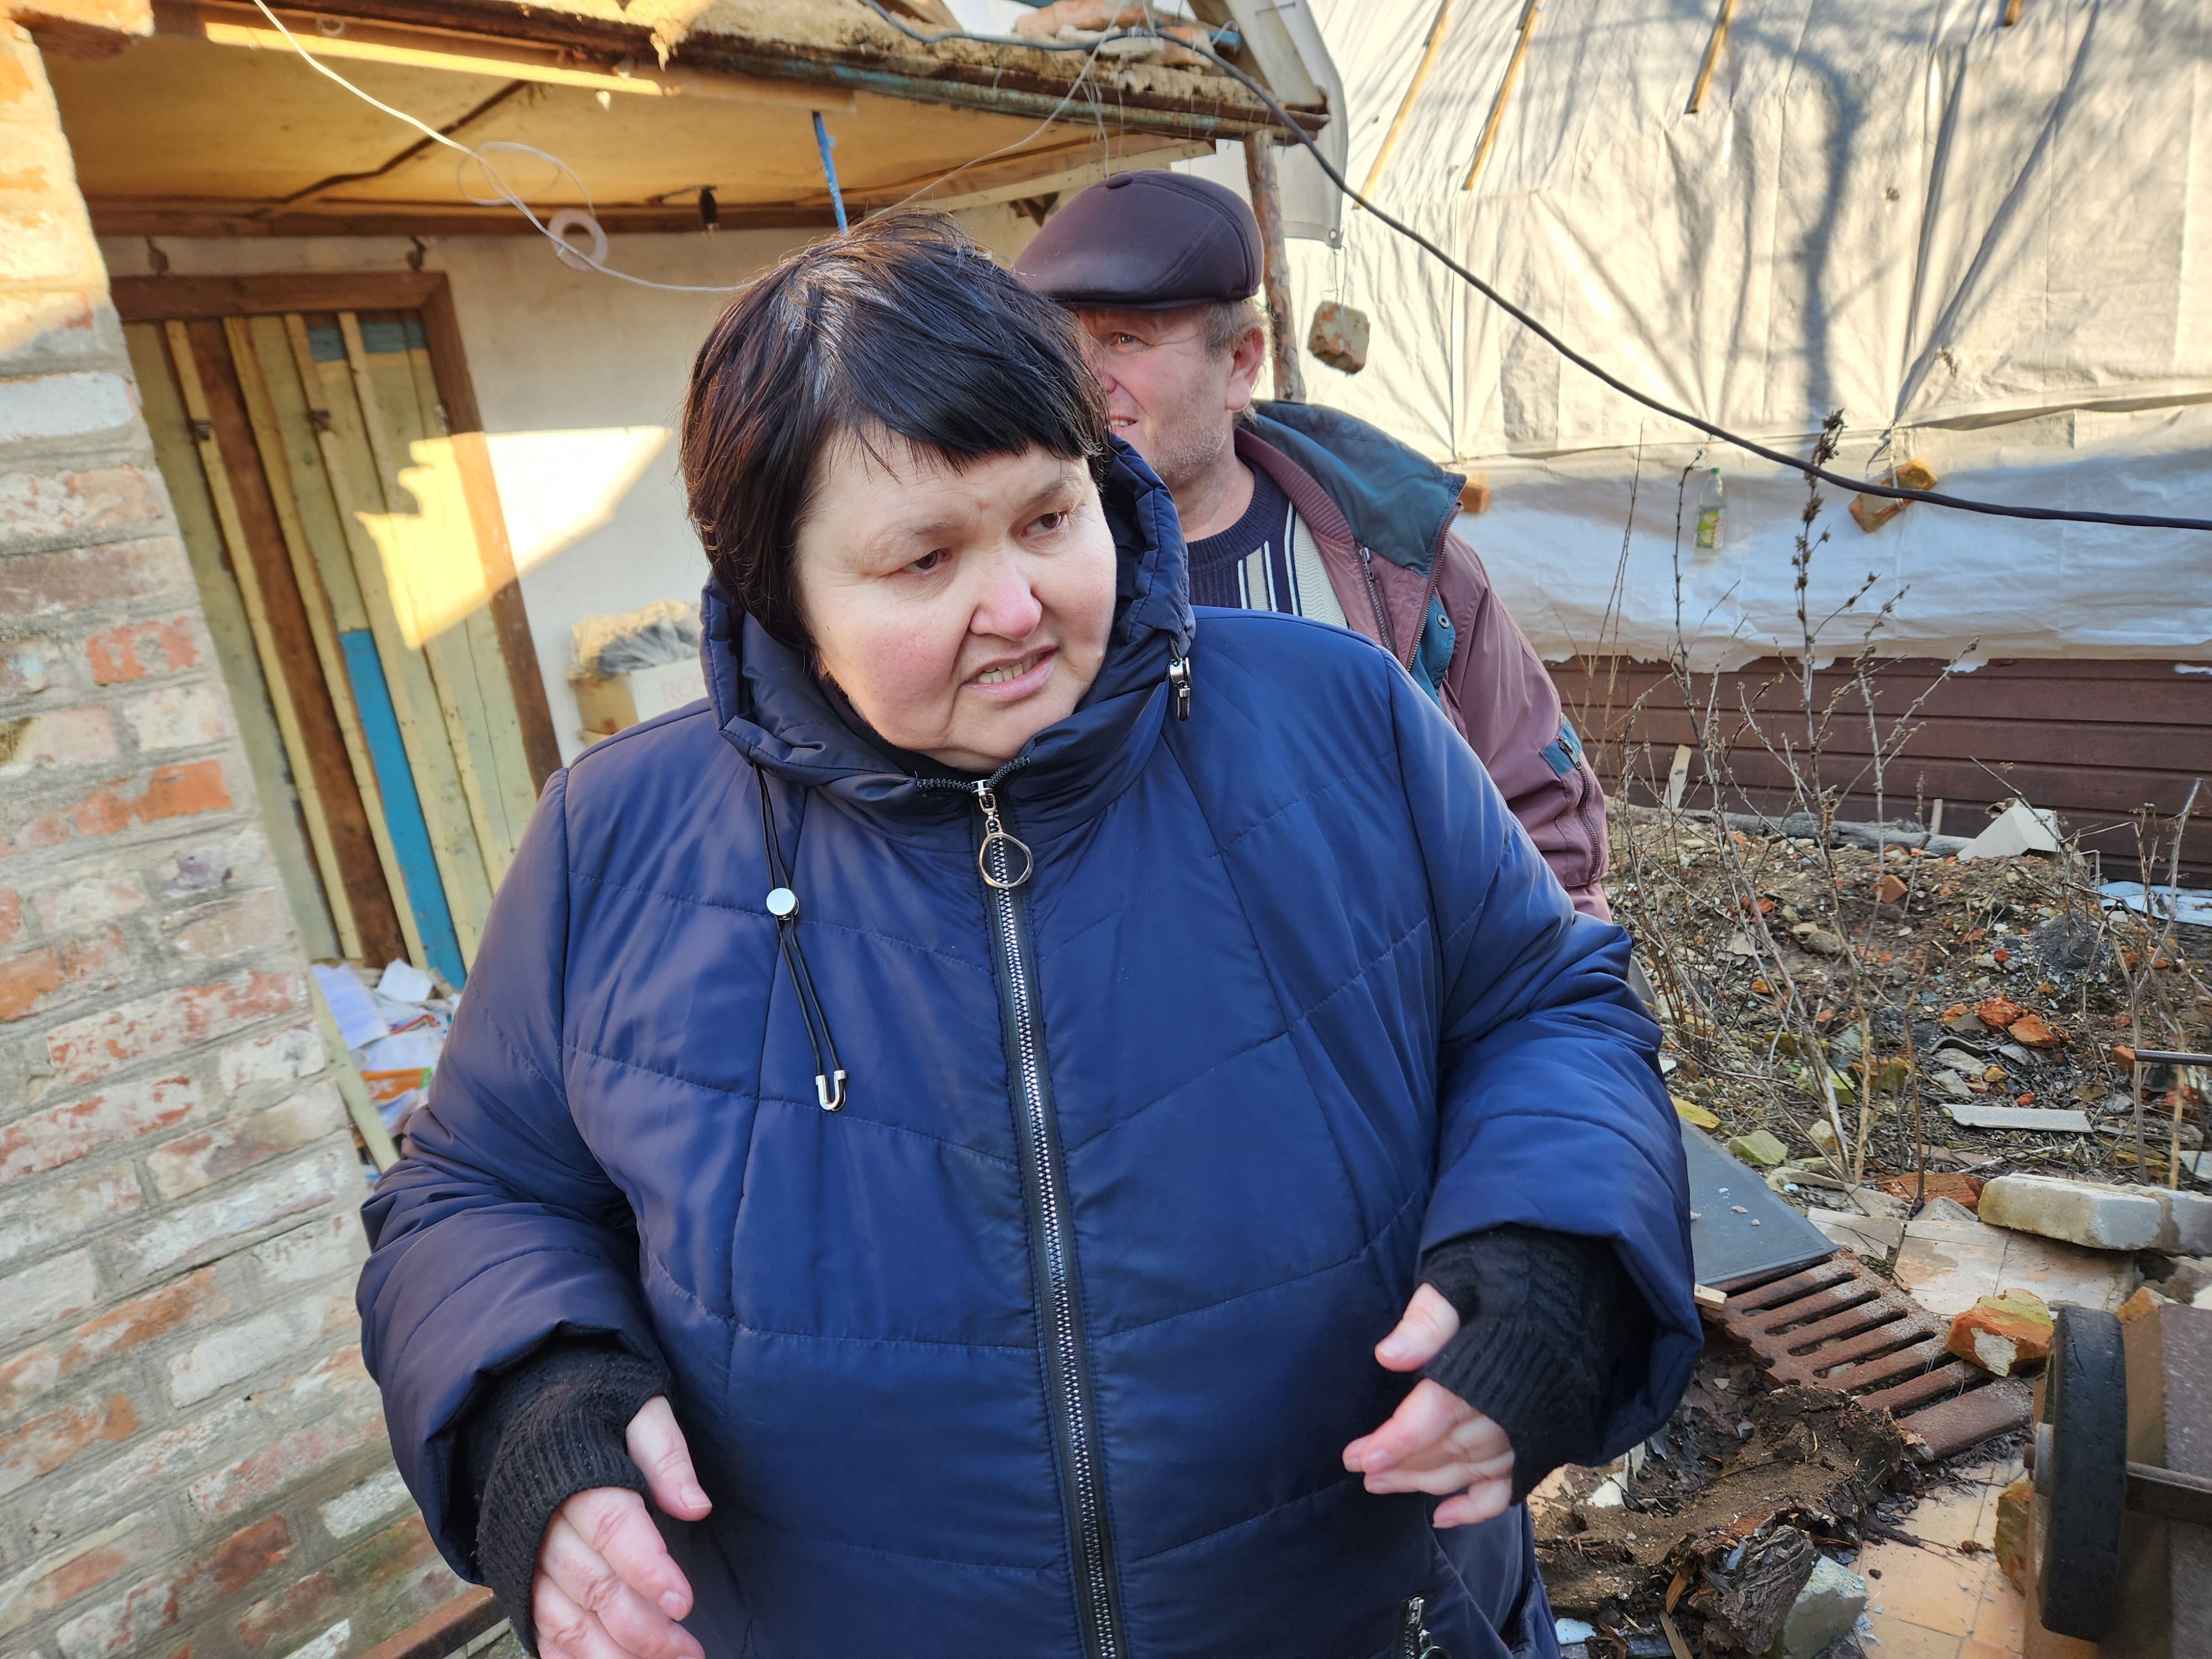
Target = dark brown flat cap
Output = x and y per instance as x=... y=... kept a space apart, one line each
x=1146 y=241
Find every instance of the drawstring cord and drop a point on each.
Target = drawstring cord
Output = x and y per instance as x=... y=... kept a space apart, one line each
x=783 y=905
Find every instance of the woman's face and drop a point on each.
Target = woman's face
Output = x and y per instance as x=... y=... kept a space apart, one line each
x=961 y=612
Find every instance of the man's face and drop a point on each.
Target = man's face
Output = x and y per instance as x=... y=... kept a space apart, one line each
x=1170 y=396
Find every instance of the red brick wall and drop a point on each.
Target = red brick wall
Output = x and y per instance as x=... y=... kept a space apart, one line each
x=191 y=1458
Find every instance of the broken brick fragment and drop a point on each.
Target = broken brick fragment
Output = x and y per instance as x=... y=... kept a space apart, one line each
x=1890 y=890
x=1998 y=1013
x=2003 y=1334
x=2031 y=1031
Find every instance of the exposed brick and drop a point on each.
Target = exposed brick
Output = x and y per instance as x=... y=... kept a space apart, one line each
x=137 y=649
x=210 y=1225
x=190 y=1162
x=156 y=1604
x=157 y=1464
x=54 y=325
x=335 y=1379
x=66 y=737
x=41 y=1220
x=39 y=245
x=230 y=928
x=287 y=1617
x=177 y=717
x=171 y=791
x=284 y=1462
x=45 y=1444
x=58 y=1576
x=24 y=667
x=37 y=1296
x=118 y=1331
x=56 y=974
x=206 y=869
x=76 y=402
x=94 y=899
x=70 y=580
x=11 y=916
x=64 y=1134
x=315 y=1251
x=331 y=1644
x=46 y=506
x=387 y=1557
x=224 y=1357
x=154 y=1027
x=364 y=1505
x=294 y=1052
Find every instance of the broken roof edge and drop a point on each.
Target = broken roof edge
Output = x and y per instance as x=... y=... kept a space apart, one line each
x=836 y=44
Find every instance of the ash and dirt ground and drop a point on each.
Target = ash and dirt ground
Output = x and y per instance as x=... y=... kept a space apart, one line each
x=2029 y=930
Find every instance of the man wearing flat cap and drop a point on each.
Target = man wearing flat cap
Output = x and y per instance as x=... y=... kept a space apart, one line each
x=1292 y=507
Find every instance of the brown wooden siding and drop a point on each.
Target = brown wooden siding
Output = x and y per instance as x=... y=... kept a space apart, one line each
x=2094 y=741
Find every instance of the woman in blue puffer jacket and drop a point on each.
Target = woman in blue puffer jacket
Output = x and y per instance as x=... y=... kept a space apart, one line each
x=1035 y=1122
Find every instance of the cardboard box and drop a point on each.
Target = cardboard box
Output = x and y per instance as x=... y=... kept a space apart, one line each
x=608 y=706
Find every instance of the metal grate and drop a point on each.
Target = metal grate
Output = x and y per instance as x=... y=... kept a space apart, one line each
x=1838 y=1325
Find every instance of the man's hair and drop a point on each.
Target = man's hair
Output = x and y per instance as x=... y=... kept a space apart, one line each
x=903 y=326
x=1226 y=321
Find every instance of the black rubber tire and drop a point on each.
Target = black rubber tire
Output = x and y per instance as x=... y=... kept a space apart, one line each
x=2082 y=1499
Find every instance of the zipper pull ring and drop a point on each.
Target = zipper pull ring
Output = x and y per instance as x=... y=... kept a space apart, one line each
x=1179 y=682
x=994 y=831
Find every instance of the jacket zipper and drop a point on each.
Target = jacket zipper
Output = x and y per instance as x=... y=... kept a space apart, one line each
x=1005 y=864
x=1375 y=599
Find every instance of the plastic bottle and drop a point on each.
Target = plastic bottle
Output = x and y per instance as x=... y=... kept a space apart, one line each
x=1712 y=513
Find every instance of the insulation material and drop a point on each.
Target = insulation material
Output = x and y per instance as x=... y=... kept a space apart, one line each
x=1988 y=246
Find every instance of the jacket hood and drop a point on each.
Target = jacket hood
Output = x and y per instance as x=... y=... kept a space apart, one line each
x=1398 y=502
x=779 y=716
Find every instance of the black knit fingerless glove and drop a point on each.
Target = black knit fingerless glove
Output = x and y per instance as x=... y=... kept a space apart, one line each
x=556 y=1425
x=1553 y=1339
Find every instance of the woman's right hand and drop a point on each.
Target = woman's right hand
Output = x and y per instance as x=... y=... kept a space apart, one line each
x=606 y=1588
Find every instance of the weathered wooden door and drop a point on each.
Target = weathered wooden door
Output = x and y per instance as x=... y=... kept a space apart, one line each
x=346 y=534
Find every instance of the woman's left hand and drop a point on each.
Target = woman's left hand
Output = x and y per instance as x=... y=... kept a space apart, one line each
x=1435 y=1442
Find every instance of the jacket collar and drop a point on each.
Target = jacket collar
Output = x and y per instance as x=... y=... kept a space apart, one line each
x=1392 y=500
x=774 y=712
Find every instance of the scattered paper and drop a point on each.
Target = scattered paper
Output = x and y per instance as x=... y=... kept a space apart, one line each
x=2180 y=902
x=358 y=1022
x=404 y=982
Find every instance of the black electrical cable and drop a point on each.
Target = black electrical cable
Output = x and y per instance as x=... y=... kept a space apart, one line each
x=1859 y=486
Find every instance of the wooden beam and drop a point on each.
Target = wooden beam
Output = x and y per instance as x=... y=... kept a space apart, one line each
x=1505 y=91
x=413 y=47
x=1430 y=51
x=188 y=299
x=211 y=426
x=356 y=216
x=1713 y=44
x=449 y=363
x=386 y=925
x=1275 y=265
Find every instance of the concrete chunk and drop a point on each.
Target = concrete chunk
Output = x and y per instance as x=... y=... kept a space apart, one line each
x=1829 y=1605
x=2100 y=1218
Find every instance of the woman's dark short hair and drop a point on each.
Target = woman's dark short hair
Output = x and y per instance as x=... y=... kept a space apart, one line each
x=905 y=325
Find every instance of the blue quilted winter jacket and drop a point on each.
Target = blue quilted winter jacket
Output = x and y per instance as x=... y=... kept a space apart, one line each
x=1048 y=1345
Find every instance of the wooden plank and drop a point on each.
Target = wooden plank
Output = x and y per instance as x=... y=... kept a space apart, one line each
x=193 y=359
x=1274 y=265
x=1505 y=92
x=361 y=426
x=232 y=636
x=1714 y=42
x=1431 y=48
x=446 y=582
x=305 y=424
x=351 y=1089
x=379 y=910
x=403 y=807
x=168 y=299
x=457 y=393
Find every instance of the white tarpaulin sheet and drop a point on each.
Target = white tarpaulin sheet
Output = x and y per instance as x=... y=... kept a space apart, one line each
x=1990 y=247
